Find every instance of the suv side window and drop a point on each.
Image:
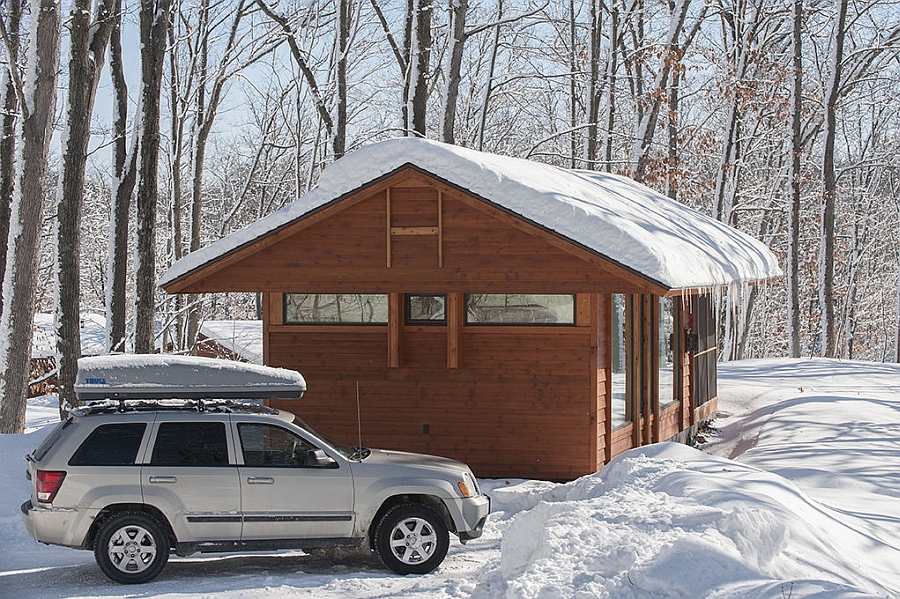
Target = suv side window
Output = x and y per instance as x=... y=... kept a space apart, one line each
x=110 y=445
x=267 y=445
x=190 y=444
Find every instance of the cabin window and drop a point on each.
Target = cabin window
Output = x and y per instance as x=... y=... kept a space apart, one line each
x=667 y=351
x=620 y=414
x=705 y=357
x=520 y=309
x=426 y=309
x=335 y=308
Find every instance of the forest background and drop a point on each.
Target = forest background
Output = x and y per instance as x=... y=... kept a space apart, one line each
x=134 y=132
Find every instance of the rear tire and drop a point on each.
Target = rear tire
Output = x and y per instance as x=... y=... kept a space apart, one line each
x=412 y=538
x=131 y=547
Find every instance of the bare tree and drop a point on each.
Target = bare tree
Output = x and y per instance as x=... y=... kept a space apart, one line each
x=125 y=177
x=793 y=266
x=301 y=59
x=154 y=20
x=88 y=37
x=236 y=56
x=829 y=185
x=672 y=54
x=458 y=10
x=418 y=61
x=37 y=103
x=9 y=102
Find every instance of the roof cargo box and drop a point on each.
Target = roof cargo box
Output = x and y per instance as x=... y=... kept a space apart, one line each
x=160 y=376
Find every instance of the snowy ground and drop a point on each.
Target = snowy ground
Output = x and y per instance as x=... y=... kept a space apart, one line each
x=798 y=495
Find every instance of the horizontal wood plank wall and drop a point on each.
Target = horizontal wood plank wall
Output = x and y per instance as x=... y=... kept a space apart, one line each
x=622 y=439
x=669 y=421
x=519 y=405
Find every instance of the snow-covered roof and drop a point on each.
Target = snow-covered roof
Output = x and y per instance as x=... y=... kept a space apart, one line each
x=135 y=376
x=242 y=337
x=609 y=215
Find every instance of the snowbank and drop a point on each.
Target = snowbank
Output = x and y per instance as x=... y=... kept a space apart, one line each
x=670 y=521
x=820 y=520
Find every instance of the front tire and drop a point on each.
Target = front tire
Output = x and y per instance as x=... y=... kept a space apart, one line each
x=131 y=547
x=412 y=539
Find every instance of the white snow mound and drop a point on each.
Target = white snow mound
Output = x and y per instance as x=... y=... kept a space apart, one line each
x=669 y=521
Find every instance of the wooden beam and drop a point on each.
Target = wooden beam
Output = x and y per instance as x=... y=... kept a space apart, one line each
x=267 y=314
x=387 y=192
x=394 y=316
x=400 y=231
x=440 y=229
x=455 y=309
x=596 y=424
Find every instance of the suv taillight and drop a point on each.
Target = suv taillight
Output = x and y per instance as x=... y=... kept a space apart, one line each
x=48 y=484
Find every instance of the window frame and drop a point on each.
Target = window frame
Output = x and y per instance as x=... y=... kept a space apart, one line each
x=153 y=461
x=324 y=323
x=415 y=322
x=85 y=455
x=250 y=427
x=573 y=323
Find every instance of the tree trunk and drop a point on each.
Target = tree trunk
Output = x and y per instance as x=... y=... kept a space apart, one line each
x=647 y=122
x=672 y=160
x=573 y=87
x=488 y=86
x=897 y=316
x=458 y=10
x=343 y=48
x=829 y=189
x=593 y=100
x=420 y=55
x=177 y=148
x=20 y=277
x=9 y=102
x=744 y=35
x=154 y=20
x=87 y=48
x=612 y=65
x=793 y=267
x=202 y=128
x=125 y=164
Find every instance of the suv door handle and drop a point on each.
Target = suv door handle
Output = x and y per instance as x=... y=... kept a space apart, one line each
x=260 y=480
x=163 y=479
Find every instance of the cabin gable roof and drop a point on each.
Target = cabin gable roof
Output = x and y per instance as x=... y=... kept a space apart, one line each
x=648 y=237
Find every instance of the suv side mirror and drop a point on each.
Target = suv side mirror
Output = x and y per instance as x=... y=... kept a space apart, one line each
x=319 y=459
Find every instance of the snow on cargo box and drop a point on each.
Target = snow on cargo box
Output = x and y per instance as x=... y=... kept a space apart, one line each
x=160 y=376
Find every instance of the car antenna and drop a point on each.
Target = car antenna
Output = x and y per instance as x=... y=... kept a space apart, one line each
x=358 y=419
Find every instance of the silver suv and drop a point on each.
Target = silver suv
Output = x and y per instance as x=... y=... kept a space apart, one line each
x=135 y=479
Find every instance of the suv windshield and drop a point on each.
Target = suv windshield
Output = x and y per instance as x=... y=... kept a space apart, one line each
x=351 y=453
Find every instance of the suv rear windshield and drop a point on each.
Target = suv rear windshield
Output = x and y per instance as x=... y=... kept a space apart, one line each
x=51 y=439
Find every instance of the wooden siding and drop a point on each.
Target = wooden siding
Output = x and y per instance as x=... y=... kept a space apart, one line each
x=519 y=404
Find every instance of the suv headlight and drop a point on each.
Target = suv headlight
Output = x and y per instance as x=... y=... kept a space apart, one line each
x=467 y=486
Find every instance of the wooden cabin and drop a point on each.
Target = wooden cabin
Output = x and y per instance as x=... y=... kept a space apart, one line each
x=529 y=320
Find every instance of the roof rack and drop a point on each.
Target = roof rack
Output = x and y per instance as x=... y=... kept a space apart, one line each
x=122 y=406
